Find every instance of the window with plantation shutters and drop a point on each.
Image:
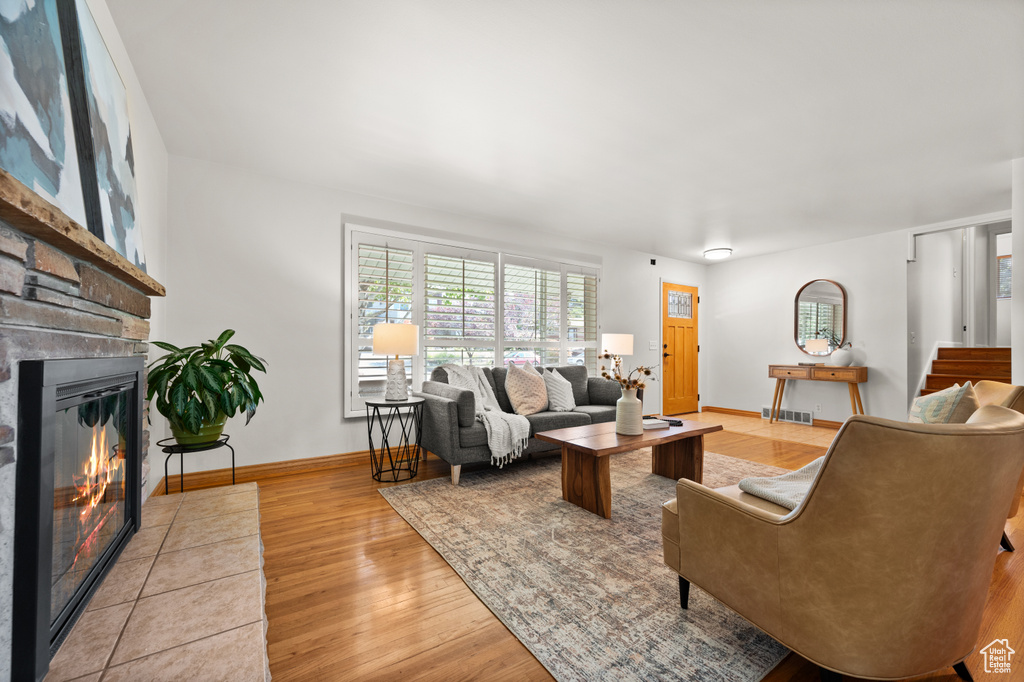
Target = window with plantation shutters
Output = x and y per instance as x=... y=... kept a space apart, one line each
x=532 y=303
x=474 y=306
x=459 y=311
x=385 y=295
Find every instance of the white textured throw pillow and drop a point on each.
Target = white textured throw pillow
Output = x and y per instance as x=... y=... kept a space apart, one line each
x=525 y=391
x=560 y=397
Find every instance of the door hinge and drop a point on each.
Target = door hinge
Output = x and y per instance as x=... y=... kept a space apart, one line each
x=698 y=397
x=965 y=327
x=698 y=299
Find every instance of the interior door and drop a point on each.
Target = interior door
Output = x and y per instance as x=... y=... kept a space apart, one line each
x=679 y=352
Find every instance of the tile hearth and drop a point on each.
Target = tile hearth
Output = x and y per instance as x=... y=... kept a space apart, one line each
x=185 y=599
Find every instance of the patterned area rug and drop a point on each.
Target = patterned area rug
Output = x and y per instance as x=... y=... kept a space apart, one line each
x=591 y=598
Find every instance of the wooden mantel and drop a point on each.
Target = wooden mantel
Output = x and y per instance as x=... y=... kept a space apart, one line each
x=33 y=215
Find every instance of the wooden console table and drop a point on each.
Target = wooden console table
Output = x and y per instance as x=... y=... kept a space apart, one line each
x=851 y=376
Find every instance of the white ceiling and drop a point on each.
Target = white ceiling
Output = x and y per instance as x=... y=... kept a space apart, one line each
x=663 y=126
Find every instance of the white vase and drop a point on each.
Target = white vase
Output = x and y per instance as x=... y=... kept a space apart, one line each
x=842 y=357
x=629 y=417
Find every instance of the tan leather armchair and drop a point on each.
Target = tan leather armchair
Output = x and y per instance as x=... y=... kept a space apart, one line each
x=883 y=569
x=1007 y=395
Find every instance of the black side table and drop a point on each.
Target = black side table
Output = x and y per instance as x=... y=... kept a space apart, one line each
x=171 y=447
x=403 y=458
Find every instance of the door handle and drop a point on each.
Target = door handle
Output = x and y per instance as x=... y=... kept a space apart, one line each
x=666 y=355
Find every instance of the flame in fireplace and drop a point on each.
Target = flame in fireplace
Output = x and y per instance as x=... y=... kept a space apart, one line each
x=98 y=472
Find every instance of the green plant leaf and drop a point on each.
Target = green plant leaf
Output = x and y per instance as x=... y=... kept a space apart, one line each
x=223 y=338
x=166 y=346
x=225 y=404
x=241 y=362
x=190 y=375
x=210 y=379
x=179 y=397
x=210 y=403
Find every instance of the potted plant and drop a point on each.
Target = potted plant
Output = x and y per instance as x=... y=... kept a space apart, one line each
x=197 y=388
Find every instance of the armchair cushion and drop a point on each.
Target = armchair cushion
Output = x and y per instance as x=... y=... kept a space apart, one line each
x=953 y=405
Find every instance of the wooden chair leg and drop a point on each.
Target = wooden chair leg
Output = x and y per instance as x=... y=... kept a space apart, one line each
x=963 y=672
x=1005 y=542
x=684 y=592
x=830 y=675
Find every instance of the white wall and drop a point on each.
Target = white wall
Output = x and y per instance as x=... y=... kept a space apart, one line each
x=934 y=292
x=749 y=313
x=264 y=256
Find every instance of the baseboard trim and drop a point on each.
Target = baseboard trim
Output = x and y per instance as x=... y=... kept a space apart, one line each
x=824 y=423
x=729 y=410
x=253 y=472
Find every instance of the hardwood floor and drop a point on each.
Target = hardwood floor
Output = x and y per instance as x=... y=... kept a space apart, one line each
x=354 y=593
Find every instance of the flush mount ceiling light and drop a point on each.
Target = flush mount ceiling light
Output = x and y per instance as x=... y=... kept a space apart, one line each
x=717 y=254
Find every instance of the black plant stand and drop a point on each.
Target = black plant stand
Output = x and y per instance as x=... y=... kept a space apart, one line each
x=171 y=447
x=403 y=458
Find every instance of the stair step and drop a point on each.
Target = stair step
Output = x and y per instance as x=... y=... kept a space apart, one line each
x=940 y=381
x=989 y=368
x=974 y=354
x=929 y=391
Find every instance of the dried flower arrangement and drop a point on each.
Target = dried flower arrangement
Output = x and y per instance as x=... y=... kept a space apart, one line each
x=637 y=377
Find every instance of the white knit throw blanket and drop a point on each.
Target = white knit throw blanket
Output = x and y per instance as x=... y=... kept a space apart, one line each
x=507 y=434
x=787 y=490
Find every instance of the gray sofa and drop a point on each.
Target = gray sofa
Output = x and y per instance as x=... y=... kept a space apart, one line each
x=451 y=431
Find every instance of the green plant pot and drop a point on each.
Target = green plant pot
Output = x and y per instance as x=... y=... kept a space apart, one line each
x=208 y=433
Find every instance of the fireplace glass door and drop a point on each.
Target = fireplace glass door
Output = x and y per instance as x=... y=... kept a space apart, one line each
x=88 y=490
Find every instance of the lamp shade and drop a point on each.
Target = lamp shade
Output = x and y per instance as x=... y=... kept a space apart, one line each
x=396 y=339
x=816 y=346
x=617 y=344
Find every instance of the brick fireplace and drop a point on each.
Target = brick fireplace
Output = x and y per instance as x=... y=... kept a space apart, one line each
x=64 y=295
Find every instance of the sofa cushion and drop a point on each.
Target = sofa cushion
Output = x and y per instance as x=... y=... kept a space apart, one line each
x=597 y=413
x=559 y=392
x=498 y=375
x=577 y=376
x=603 y=391
x=473 y=435
x=465 y=400
x=526 y=390
x=953 y=405
x=547 y=421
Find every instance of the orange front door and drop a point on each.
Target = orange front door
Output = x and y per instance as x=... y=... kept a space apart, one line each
x=679 y=351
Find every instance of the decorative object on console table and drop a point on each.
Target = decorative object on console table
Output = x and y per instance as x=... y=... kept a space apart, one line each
x=405 y=455
x=198 y=388
x=842 y=356
x=852 y=376
x=397 y=340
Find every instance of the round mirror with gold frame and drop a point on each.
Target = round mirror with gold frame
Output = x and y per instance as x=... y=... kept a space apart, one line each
x=820 y=317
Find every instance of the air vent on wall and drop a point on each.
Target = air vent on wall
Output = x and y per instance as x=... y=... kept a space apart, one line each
x=793 y=416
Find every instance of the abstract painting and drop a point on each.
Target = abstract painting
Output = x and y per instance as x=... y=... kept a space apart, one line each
x=37 y=141
x=106 y=102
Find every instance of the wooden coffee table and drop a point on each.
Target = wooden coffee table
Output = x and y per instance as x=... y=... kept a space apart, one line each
x=677 y=452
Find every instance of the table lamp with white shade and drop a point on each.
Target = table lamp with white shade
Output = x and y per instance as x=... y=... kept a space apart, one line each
x=816 y=346
x=617 y=344
x=396 y=340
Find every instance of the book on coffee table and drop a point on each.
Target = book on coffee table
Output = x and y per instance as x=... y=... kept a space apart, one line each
x=651 y=423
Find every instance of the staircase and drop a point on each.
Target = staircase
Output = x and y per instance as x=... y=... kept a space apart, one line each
x=957 y=365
